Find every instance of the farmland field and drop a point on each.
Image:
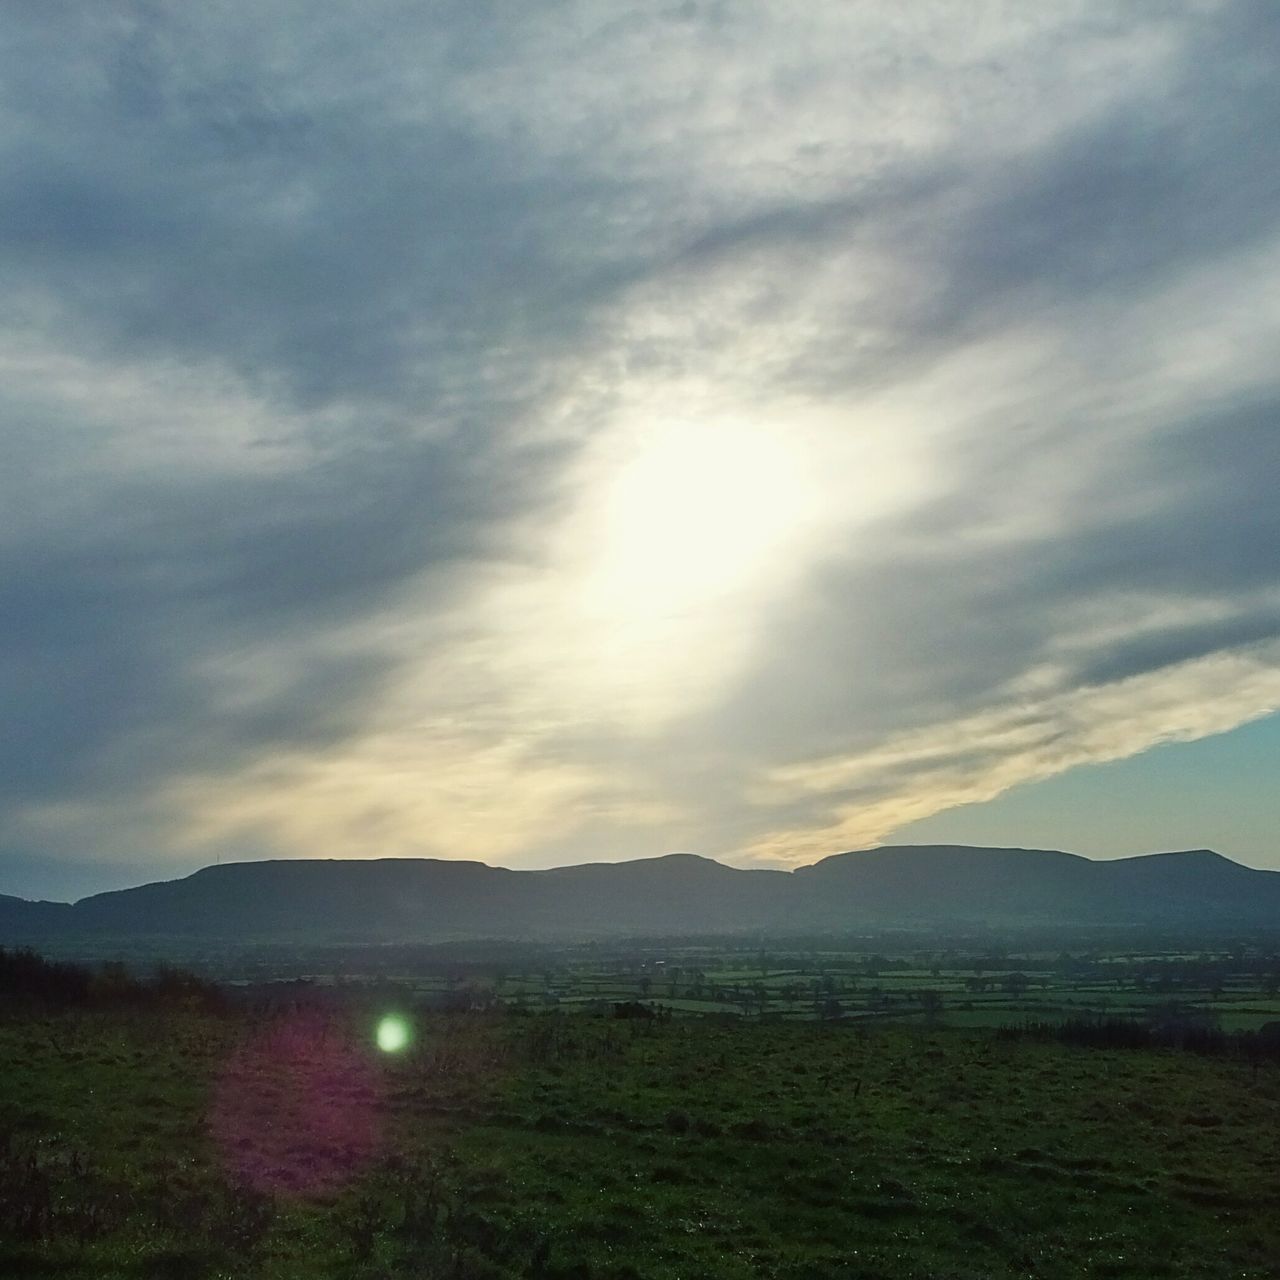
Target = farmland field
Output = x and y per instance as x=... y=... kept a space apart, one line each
x=272 y=1138
x=1236 y=988
x=928 y=980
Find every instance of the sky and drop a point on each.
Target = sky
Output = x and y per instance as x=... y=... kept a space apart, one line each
x=576 y=431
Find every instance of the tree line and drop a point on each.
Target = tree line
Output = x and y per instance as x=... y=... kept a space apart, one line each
x=28 y=978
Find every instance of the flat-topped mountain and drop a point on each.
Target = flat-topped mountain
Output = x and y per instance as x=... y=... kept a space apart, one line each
x=1043 y=886
x=424 y=899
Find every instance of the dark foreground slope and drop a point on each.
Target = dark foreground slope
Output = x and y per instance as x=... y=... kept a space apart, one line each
x=427 y=899
x=592 y=1149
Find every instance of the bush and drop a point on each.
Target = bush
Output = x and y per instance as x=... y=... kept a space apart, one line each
x=1165 y=1032
x=28 y=978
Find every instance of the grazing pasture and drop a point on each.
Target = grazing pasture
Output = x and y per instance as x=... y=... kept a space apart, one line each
x=176 y=1139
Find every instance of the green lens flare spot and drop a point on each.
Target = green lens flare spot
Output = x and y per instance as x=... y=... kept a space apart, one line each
x=393 y=1034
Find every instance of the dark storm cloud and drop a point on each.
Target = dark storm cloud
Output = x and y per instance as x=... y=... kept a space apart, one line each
x=1169 y=178
x=168 y=201
x=1162 y=182
x=111 y=627
x=305 y=234
x=1180 y=644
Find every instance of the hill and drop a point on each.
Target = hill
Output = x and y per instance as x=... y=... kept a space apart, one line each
x=960 y=883
x=413 y=899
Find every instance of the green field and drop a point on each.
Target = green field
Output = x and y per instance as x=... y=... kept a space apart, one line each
x=159 y=1143
x=1235 y=987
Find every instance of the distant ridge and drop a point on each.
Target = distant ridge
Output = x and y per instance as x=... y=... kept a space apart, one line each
x=425 y=899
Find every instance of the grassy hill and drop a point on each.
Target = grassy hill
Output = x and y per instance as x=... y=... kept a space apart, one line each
x=425 y=899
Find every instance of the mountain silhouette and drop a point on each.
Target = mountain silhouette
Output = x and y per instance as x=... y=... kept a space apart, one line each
x=424 y=899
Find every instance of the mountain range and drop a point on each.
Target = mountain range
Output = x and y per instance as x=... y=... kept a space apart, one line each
x=424 y=899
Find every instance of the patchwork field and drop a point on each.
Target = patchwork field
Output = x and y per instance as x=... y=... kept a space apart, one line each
x=1235 y=986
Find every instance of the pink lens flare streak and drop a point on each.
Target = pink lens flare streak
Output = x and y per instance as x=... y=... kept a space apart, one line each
x=295 y=1111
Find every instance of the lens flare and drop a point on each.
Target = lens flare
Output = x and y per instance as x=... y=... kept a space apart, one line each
x=294 y=1110
x=393 y=1034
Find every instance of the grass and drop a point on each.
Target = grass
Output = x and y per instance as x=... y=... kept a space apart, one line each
x=144 y=1144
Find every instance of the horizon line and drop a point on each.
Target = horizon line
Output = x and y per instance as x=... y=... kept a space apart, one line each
x=660 y=857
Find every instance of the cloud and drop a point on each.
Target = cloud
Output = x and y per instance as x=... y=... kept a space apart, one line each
x=868 y=795
x=535 y=435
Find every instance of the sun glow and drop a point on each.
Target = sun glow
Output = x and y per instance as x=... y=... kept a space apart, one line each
x=688 y=525
x=691 y=513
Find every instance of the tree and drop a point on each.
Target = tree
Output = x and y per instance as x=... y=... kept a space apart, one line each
x=1016 y=983
x=930 y=1002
